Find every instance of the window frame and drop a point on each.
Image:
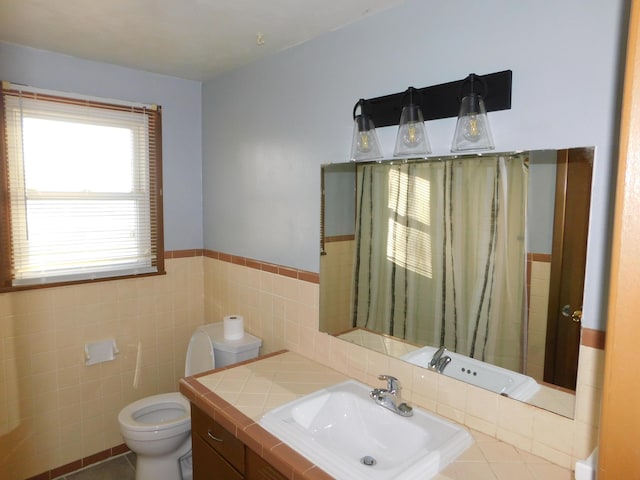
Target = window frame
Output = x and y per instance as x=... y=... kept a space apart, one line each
x=153 y=172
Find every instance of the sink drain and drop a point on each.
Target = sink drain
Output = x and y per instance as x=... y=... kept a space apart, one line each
x=368 y=461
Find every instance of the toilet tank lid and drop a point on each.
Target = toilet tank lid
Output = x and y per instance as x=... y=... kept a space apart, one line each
x=216 y=333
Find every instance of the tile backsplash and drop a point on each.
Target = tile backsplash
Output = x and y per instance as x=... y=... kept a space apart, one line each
x=55 y=410
x=284 y=313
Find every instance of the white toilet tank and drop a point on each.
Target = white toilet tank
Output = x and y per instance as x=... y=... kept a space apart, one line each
x=208 y=349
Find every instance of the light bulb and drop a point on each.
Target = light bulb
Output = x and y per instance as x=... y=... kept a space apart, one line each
x=411 y=135
x=472 y=129
x=364 y=142
x=364 y=145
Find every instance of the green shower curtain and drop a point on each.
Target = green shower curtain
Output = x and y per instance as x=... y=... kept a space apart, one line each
x=440 y=254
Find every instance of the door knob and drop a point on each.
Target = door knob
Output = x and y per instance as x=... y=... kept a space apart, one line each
x=576 y=316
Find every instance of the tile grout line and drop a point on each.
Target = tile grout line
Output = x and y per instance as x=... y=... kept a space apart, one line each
x=102 y=464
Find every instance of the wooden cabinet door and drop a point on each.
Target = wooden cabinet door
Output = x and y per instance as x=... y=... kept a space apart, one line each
x=218 y=438
x=209 y=464
x=257 y=468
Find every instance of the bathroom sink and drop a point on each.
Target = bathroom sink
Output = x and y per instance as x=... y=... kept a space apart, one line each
x=343 y=431
x=476 y=372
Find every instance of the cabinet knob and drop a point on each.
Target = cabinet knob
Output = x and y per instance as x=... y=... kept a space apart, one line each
x=212 y=436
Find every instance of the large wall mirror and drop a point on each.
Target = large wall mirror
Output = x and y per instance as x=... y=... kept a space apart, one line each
x=481 y=254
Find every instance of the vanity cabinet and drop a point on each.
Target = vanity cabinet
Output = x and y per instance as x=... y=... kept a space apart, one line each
x=218 y=454
x=259 y=469
x=209 y=464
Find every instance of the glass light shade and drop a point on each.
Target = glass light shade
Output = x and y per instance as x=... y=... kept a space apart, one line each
x=365 y=145
x=412 y=136
x=472 y=130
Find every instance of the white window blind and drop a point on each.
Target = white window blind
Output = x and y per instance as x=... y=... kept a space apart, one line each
x=83 y=188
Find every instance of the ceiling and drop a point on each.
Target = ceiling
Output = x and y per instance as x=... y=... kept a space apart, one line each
x=193 y=39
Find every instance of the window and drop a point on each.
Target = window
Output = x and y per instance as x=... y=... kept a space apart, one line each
x=80 y=184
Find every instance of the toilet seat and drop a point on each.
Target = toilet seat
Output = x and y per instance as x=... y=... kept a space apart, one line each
x=158 y=428
x=157 y=416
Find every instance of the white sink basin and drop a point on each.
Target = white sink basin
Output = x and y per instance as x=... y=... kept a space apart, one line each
x=341 y=428
x=476 y=372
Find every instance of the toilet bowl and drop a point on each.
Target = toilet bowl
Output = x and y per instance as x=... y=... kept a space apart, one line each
x=158 y=428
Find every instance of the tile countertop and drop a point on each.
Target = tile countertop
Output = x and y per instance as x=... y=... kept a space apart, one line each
x=244 y=392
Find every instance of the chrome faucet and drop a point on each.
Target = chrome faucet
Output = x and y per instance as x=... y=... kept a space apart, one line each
x=389 y=398
x=438 y=362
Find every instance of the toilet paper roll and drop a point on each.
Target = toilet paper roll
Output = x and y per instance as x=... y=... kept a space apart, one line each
x=233 y=327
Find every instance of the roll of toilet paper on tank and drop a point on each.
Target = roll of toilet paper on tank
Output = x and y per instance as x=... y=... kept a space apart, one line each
x=233 y=327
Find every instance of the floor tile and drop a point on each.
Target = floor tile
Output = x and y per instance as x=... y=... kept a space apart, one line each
x=119 y=468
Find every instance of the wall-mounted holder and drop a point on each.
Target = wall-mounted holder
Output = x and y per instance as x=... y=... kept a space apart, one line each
x=98 y=352
x=442 y=101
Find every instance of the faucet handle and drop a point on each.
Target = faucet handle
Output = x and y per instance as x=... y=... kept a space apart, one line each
x=436 y=357
x=393 y=384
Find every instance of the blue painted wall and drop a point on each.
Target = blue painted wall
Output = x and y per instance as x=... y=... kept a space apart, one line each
x=270 y=125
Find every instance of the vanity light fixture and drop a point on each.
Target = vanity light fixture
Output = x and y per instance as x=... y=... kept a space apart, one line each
x=365 y=144
x=472 y=130
x=412 y=139
x=479 y=93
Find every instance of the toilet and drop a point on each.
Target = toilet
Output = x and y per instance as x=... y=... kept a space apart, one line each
x=158 y=428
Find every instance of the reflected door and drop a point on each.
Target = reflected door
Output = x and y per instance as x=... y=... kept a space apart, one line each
x=571 y=222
